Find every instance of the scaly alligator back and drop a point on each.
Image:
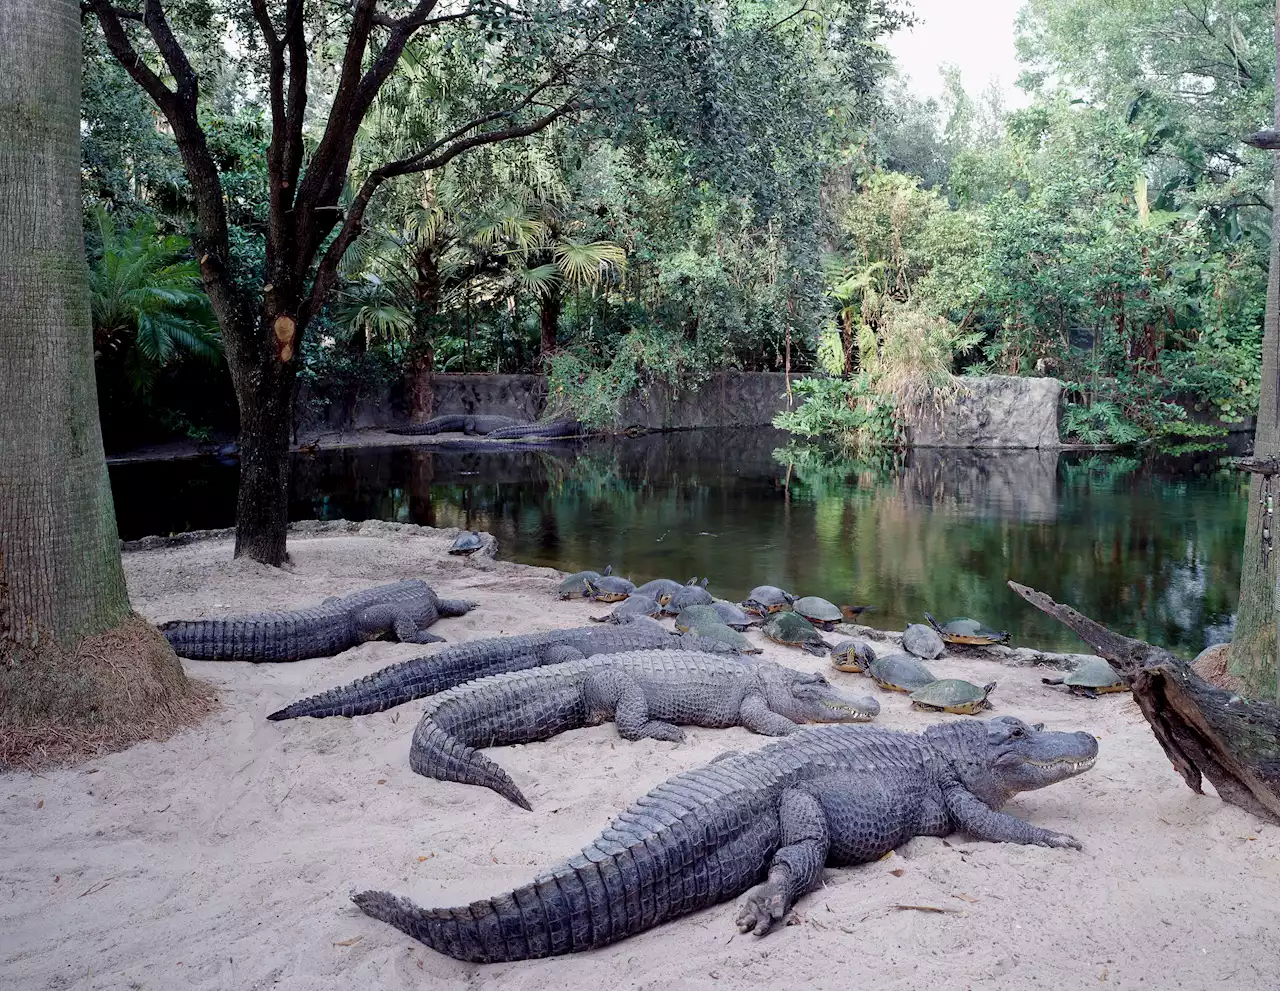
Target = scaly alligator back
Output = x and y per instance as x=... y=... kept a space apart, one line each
x=698 y=839
x=553 y=428
x=317 y=631
x=422 y=676
x=467 y=423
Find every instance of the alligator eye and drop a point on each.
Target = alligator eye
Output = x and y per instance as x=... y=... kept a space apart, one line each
x=1016 y=731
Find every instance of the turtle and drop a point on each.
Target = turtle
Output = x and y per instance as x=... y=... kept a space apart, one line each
x=699 y=615
x=900 y=673
x=765 y=599
x=731 y=615
x=854 y=613
x=663 y=588
x=1092 y=677
x=718 y=631
x=967 y=631
x=793 y=630
x=608 y=588
x=953 y=695
x=575 y=584
x=629 y=608
x=852 y=656
x=923 y=641
x=821 y=613
x=467 y=542
x=688 y=595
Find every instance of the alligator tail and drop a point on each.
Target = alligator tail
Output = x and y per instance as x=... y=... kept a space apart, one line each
x=246 y=638
x=437 y=754
x=562 y=913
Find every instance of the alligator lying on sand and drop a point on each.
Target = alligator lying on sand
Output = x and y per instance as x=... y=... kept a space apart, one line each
x=467 y=423
x=419 y=677
x=404 y=609
x=646 y=693
x=764 y=823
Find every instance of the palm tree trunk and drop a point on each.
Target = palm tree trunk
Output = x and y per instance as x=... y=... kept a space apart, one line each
x=552 y=306
x=60 y=571
x=1252 y=659
x=77 y=669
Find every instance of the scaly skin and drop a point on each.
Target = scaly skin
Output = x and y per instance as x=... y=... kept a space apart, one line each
x=422 y=676
x=466 y=423
x=764 y=823
x=648 y=693
x=402 y=609
x=553 y=428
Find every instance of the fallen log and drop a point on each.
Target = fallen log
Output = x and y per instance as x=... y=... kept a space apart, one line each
x=1205 y=731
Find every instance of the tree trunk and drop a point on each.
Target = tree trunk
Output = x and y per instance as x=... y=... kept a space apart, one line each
x=422 y=393
x=552 y=306
x=1253 y=645
x=78 y=671
x=264 y=392
x=1205 y=731
x=60 y=571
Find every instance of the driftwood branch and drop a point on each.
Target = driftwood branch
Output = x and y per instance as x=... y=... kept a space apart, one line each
x=1266 y=140
x=1205 y=731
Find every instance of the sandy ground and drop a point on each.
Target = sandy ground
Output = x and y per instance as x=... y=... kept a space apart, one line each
x=223 y=857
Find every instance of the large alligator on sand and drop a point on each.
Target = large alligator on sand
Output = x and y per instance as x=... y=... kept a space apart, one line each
x=403 y=609
x=764 y=823
x=419 y=677
x=466 y=423
x=646 y=693
x=550 y=428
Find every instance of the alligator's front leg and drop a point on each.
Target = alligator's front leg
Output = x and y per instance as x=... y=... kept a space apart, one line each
x=756 y=716
x=377 y=620
x=612 y=691
x=981 y=822
x=797 y=864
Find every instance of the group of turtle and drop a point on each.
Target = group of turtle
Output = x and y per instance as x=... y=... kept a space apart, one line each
x=800 y=621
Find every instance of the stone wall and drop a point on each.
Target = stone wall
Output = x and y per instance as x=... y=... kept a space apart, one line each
x=993 y=411
x=996 y=411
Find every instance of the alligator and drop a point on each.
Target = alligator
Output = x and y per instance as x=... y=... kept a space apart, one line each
x=419 y=677
x=404 y=609
x=646 y=693
x=467 y=423
x=764 y=823
x=552 y=428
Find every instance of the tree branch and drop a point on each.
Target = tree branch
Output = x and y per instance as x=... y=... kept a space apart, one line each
x=1266 y=140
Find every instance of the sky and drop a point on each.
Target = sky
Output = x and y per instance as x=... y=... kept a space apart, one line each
x=976 y=35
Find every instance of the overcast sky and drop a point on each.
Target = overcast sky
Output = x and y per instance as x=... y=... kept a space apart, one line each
x=976 y=36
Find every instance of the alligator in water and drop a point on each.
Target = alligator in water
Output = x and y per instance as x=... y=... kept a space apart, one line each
x=403 y=609
x=466 y=423
x=419 y=677
x=764 y=823
x=646 y=693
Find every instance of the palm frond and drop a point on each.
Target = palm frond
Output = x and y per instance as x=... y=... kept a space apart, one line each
x=588 y=263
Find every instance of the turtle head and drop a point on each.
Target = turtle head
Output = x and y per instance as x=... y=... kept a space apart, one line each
x=608 y=570
x=809 y=698
x=1011 y=756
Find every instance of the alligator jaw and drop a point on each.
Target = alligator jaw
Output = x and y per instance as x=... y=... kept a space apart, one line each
x=1076 y=766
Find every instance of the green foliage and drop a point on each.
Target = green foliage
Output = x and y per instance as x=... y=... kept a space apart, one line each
x=146 y=299
x=851 y=409
x=1101 y=422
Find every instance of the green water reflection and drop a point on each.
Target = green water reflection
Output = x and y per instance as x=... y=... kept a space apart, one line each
x=1149 y=545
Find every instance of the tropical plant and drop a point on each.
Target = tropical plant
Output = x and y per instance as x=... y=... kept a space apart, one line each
x=147 y=302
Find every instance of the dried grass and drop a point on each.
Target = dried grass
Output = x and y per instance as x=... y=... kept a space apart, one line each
x=116 y=689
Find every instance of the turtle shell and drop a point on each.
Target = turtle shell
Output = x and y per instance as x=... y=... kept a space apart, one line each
x=721 y=633
x=608 y=588
x=923 y=641
x=852 y=656
x=698 y=615
x=967 y=631
x=765 y=599
x=467 y=542
x=793 y=630
x=953 y=695
x=821 y=613
x=900 y=673
x=629 y=608
x=731 y=615
x=1091 y=677
x=661 y=589
x=575 y=585
x=689 y=595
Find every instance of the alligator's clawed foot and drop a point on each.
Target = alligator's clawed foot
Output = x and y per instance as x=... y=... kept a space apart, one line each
x=1060 y=841
x=422 y=637
x=763 y=907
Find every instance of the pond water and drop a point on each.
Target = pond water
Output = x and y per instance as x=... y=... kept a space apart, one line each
x=1147 y=544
